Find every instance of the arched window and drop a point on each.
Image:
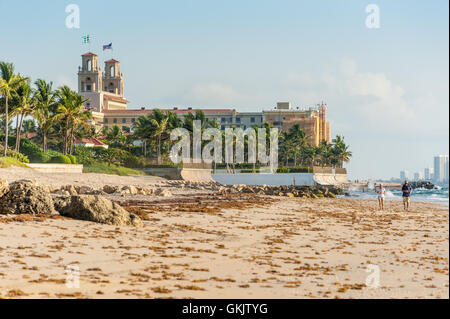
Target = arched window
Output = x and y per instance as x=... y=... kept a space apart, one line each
x=89 y=65
x=111 y=71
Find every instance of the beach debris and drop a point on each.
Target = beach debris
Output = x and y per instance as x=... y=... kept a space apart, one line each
x=26 y=197
x=96 y=209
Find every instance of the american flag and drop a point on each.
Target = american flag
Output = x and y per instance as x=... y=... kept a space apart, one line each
x=107 y=47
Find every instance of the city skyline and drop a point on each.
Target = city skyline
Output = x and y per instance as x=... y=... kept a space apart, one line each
x=389 y=98
x=438 y=172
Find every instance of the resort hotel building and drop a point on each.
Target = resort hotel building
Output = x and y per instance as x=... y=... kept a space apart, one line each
x=104 y=93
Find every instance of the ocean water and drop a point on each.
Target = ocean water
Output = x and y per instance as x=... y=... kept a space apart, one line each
x=438 y=195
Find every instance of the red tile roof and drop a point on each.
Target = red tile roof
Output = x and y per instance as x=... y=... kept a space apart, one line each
x=178 y=111
x=127 y=111
x=116 y=98
x=28 y=135
x=90 y=141
x=111 y=61
x=89 y=54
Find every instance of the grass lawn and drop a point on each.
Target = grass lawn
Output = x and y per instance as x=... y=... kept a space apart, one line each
x=6 y=162
x=102 y=168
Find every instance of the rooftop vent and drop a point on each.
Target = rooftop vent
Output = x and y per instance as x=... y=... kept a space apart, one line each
x=284 y=106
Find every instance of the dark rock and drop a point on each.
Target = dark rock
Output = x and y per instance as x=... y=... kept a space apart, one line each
x=4 y=187
x=26 y=197
x=97 y=209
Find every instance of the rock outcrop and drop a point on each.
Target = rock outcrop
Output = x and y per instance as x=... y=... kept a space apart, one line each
x=96 y=209
x=26 y=197
x=288 y=191
x=163 y=192
x=4 y=187
x=422 y=184
x=108 y=189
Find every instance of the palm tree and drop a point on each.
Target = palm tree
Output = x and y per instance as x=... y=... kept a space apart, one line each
x=45 y=109
x=298 y=140
x=29 y=126
x=114 y=136
x=25 y=106
x=9 y=82
x=341 y=151
x=325 y=153
x=71 y=110
x=79 y=119
x=155 y=126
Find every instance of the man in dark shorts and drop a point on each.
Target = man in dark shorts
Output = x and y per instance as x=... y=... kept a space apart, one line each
x=407 y=190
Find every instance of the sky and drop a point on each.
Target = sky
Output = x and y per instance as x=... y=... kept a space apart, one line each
x=387 y=88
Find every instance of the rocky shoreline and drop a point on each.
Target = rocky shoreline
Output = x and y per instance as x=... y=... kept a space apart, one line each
x=90 y=204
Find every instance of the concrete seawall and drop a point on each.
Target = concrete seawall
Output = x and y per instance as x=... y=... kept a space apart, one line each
x=299 y=179
x=57 y=168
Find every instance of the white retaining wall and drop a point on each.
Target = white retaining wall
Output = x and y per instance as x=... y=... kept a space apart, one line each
x=301 y=179
x=57 y=168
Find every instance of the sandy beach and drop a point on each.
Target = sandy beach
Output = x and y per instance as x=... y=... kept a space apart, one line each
x=199 y=245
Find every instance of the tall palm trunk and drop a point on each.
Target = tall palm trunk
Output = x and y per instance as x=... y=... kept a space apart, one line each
x=159 y=148
x=44 y=140
x=71 y=141
x=19 y=130
x=66 y=137
x=6 y=125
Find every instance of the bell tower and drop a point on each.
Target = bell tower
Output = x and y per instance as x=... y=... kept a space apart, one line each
x=112 y=78
x=89 y=74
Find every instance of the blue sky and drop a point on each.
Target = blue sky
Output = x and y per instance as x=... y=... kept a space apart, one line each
x=386 y=88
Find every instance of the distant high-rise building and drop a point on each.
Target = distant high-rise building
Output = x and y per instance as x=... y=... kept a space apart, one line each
x=418 y=176
x=404 y=175
x=428 y=173
x=446 y=170
x=440 y=171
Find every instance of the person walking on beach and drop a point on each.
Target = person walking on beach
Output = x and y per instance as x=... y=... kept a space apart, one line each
x=407 y=191
x=381 y=191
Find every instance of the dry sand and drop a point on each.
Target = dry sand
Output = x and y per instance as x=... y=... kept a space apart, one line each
x=200 y=246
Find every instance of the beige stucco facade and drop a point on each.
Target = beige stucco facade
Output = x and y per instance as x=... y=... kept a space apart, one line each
x=313 y=121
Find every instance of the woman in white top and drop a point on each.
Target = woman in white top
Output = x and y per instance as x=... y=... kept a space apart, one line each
x=381 y=191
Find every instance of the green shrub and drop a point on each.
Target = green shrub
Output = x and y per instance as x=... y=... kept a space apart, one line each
x=111 y=155
x=162 y=165
x=293 y=169
x=282 y=170
x=6 y=162
x=72 y=158
x=14 y=155
x=134 y=162
x=18 y=156
x=84 y=155
x=32 y=151
x=60 y=159
x=299 y=169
